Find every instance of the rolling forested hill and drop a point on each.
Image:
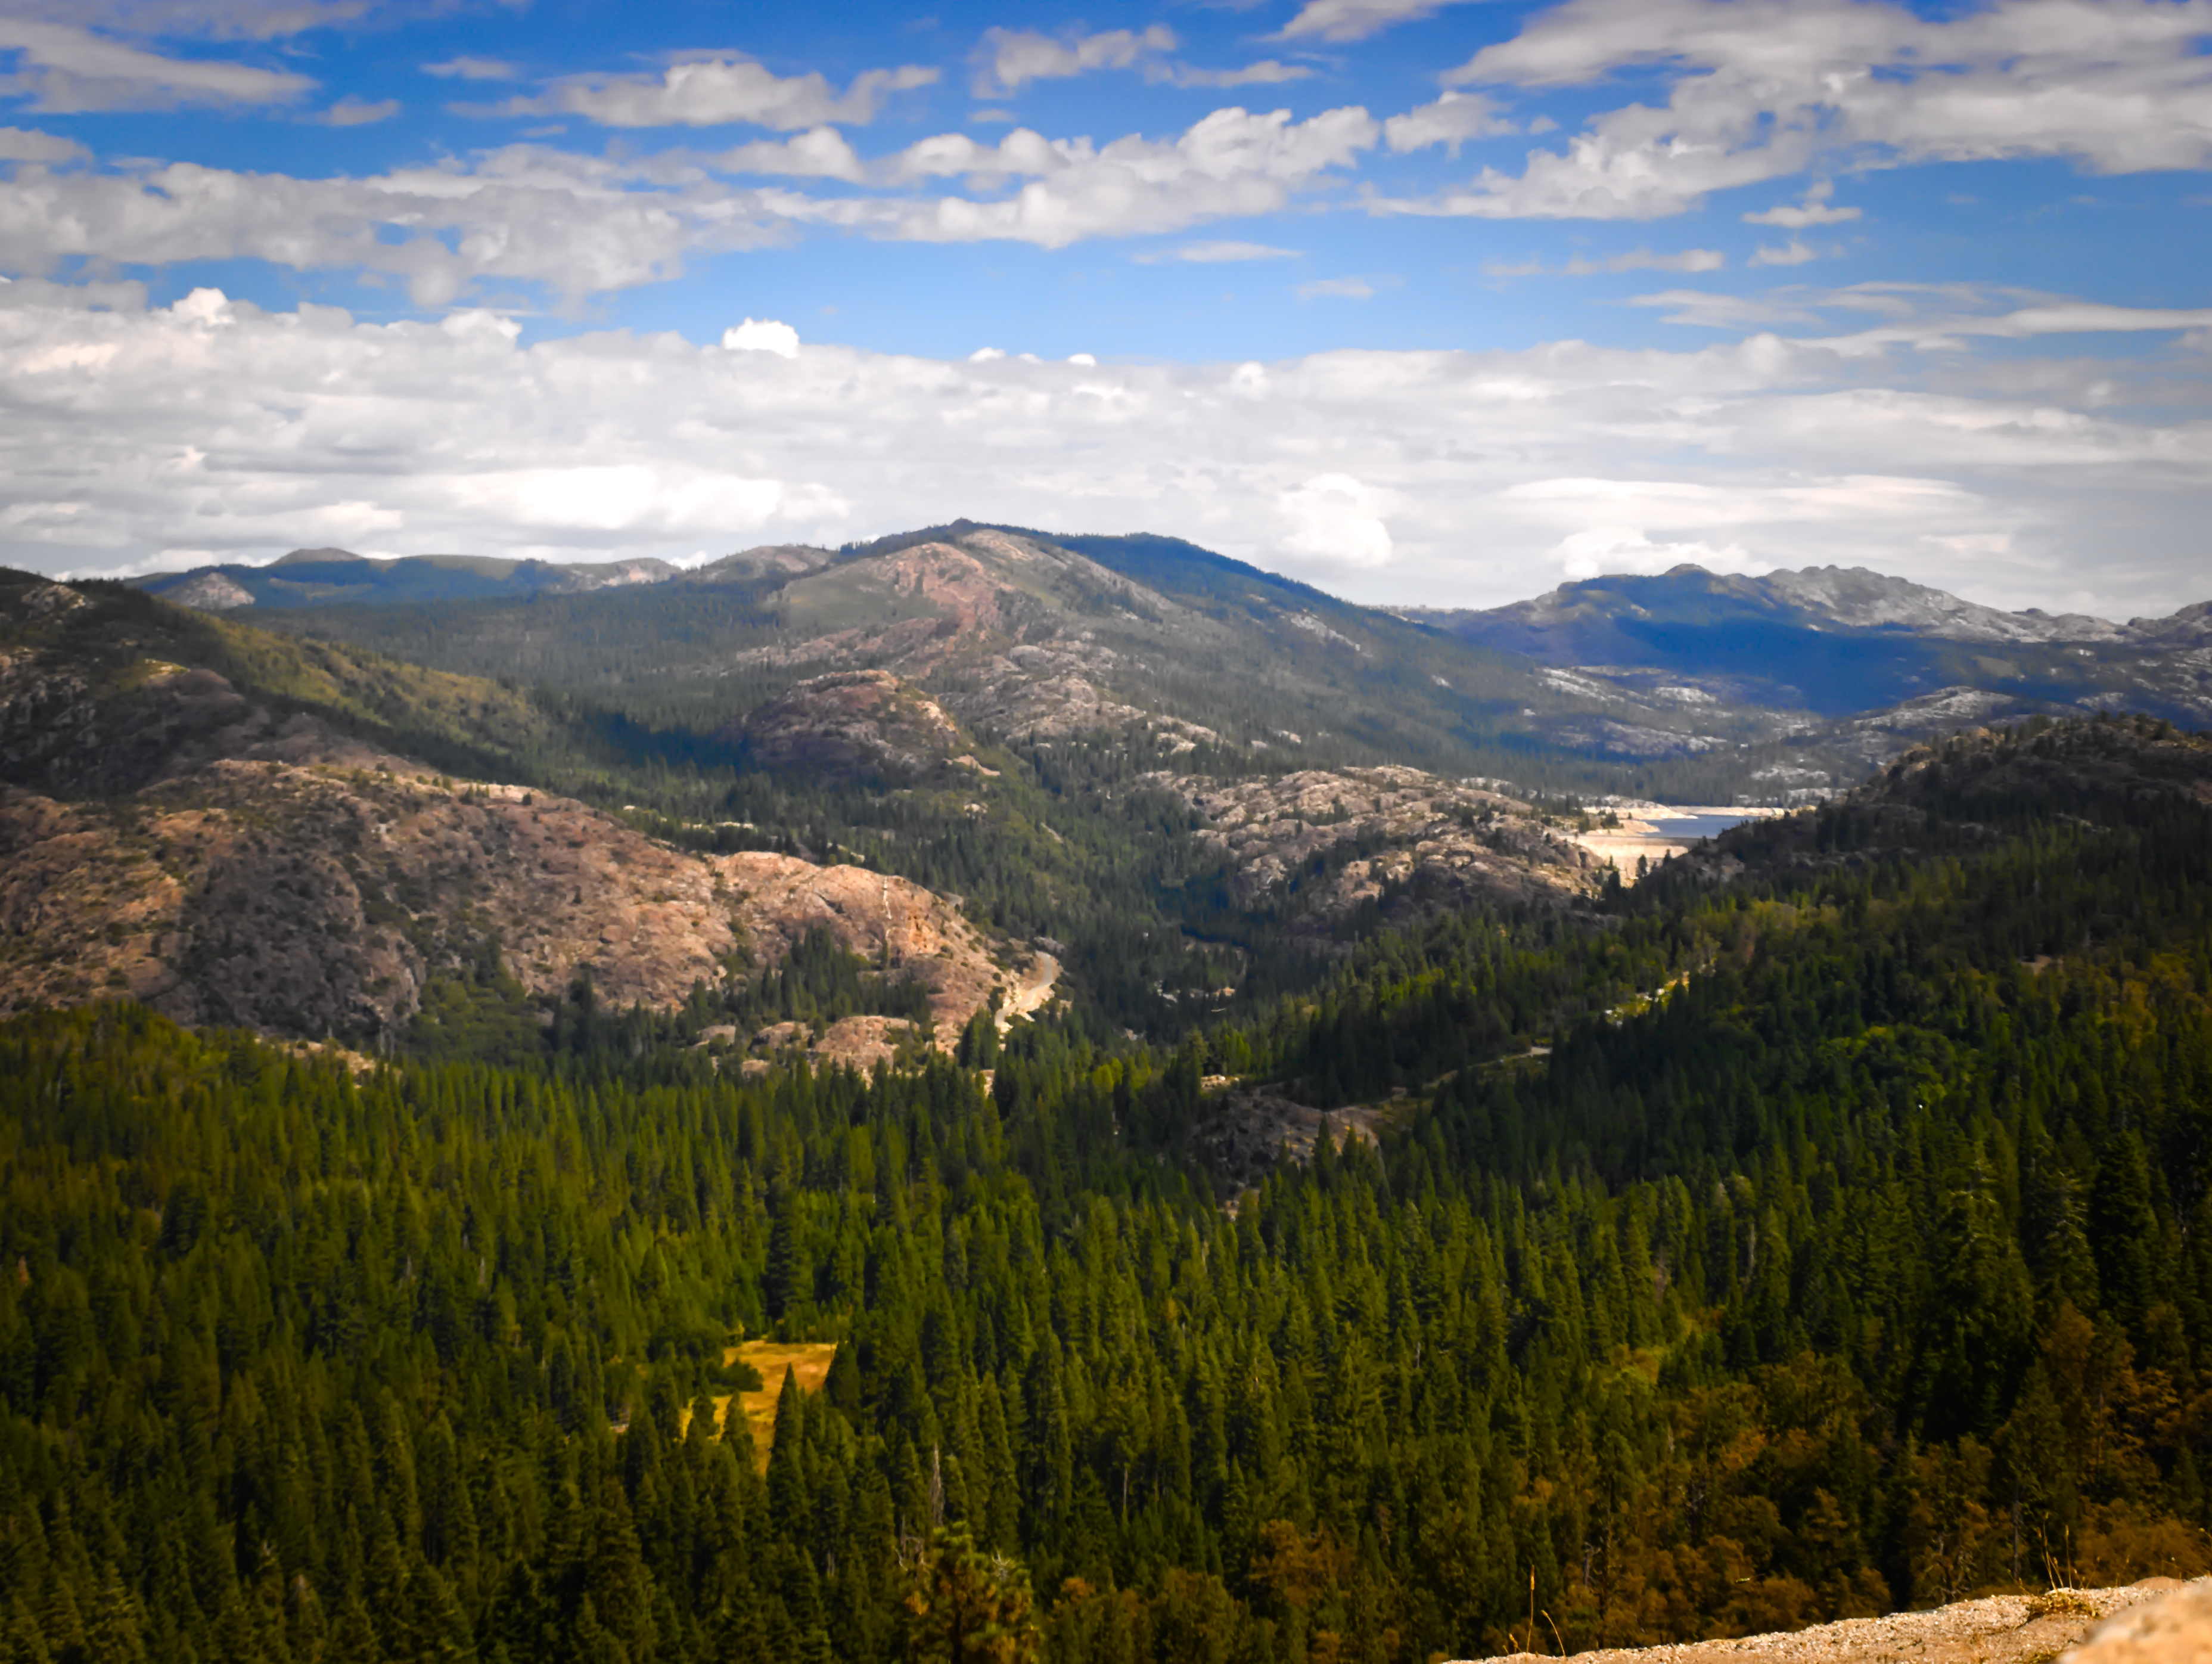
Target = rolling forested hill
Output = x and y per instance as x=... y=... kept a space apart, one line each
x=1822 y=1226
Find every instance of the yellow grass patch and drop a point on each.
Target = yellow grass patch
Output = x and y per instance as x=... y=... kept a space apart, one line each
x=810 y=1358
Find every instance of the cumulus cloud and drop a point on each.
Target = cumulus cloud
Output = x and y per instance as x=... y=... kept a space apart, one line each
x=568 y=222
x=1009 y=59
x=1337 y=520
x=1814 y=209
x=60 y=67
x=762 y=335
x=1340 y=21
x=28 y=145
x=582 y=225
x=821 y=152
x=716 y=92
x=215 y=427
x=1763 y=89
x=1451 y=121
x=1233 y=162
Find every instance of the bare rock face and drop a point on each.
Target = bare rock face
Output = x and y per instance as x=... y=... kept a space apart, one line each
x=210 y=592
x=167 y=837
x=1005 y=629
x=854 y=722
x=2174 y=1629
x=776 y=899
x=1327 y=841
x=314 y=899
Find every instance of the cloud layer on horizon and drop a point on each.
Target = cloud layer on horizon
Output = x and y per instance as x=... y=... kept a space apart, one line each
x=211 y=430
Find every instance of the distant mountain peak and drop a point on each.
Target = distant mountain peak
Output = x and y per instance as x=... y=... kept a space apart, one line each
x=317 y=557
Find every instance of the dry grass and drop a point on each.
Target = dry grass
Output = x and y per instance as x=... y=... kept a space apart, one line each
x=809 y=1358
x=2061 y=1603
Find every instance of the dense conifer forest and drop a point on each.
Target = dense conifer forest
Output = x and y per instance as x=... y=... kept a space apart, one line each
x=1826 y=1227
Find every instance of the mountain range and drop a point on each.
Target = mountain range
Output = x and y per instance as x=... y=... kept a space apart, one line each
x=1688 y=683
x=1121 y=768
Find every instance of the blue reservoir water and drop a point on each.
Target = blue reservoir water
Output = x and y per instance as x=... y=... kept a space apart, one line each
x=1697 y=826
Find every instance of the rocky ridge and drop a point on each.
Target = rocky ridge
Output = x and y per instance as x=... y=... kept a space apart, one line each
x=865 y=722
x=166 y=835
x=1324 y=842
x=989 y=620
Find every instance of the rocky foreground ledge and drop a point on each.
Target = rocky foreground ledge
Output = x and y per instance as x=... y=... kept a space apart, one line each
x=2158 y=1621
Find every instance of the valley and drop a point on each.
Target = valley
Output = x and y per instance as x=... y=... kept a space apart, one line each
x=1243 y=1163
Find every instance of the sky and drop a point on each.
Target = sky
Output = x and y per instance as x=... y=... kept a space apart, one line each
x=1431 y=301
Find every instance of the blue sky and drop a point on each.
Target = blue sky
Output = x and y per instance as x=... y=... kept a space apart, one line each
x=1421 y=301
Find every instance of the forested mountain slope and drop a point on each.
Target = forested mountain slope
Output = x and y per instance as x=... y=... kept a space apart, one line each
x=1850 y=1246
x=1843 y=641
x=302 y=835
x=324 y=577
x=1025 y=634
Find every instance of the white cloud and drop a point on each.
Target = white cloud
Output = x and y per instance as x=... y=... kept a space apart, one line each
x=1337 y=520
x=1795 y=252
x=358 y=112
x=1215 y=253
x=821 y=152
x=1603 y=549
x=1814 y=209
x=1338 y=21
x=1451 y=120
x=1264 y=72
x=1009 y=59
x=1231 y=163
x=1634 y=259
x=1609 y=523
x=1337 y=288
x=762 y=335
x=521 y=213
x=473 y=69
x=1763 y=89
x=584 y=225
x=60 y=67
x=216 y=427
x=222 y=20
x=28 y=145
x=716 y=92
